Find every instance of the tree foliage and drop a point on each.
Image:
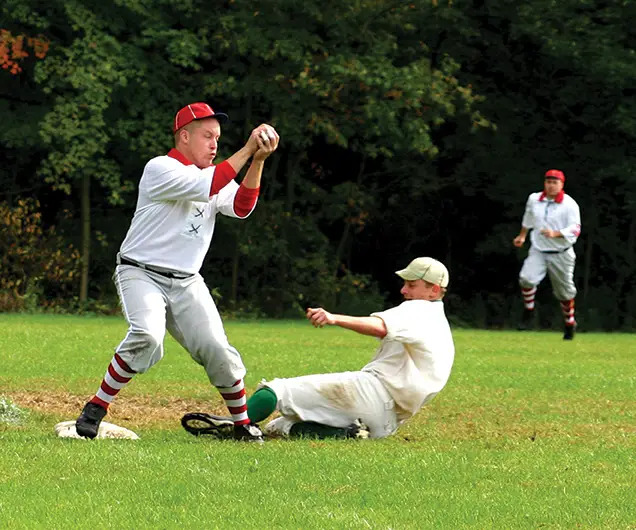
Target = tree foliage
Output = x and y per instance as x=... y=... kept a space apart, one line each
x=407 y=129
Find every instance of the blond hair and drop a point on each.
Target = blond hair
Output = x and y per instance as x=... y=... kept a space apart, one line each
x=190 y=127
x=442 y=290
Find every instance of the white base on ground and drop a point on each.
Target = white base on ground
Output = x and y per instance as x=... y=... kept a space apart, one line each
x=66 y=429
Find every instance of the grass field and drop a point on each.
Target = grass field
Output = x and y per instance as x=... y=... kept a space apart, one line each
x=530 y=432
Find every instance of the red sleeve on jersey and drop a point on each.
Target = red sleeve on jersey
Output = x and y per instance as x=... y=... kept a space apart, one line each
x=223 y=173
x=245 y=200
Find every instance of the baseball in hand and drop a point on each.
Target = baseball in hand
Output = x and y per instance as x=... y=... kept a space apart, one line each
x=264 y=136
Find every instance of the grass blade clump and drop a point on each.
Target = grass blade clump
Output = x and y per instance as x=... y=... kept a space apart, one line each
x=10 y=413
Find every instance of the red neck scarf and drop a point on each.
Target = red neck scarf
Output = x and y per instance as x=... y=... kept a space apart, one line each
x=558 y=198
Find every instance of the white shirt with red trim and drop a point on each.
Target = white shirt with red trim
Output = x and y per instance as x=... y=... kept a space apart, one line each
x=175 y=216
x=560 y=214
x=415 y=358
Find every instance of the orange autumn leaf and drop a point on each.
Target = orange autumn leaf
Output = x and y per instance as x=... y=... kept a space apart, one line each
x=12 y=49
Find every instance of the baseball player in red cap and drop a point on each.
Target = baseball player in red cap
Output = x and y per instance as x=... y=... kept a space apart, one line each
x=555 y=221
x=157 y=275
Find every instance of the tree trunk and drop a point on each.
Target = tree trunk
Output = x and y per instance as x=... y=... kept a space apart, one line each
x=235 y=266
x=247 y=129
x=587 y=265
x=291 y=181
x=270 y=183
x=235 y=269
x=343 y=244
x=622 y=285
x=86 y=237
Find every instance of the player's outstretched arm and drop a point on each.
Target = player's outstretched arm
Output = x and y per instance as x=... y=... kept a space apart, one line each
x=373 y=326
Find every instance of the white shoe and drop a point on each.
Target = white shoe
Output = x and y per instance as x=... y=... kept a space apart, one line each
x=279 y=427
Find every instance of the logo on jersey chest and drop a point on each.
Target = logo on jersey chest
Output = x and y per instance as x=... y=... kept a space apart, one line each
x=198 y=216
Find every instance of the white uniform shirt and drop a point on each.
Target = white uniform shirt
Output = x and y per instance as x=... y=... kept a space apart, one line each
x=563 y=216
x=174 y=220
x=415 y=357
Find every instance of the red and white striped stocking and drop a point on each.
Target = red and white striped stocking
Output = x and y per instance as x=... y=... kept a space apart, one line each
x=528 y=297
x=117 y=377
x=236 y=402
x=567 y=306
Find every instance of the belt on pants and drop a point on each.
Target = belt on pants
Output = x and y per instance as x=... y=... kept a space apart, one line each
x=124 y=261
x=555 y=251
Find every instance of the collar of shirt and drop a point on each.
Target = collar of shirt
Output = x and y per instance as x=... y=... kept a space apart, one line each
x=558 y=198
x=177 y=155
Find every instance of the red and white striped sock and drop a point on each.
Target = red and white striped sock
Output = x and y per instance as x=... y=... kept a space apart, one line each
x=236 y=402
x=117 y=377
x=567 y=306
x=528 y=297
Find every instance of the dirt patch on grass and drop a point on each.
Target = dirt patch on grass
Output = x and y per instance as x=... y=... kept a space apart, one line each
x=610 y=422
x=131 y=411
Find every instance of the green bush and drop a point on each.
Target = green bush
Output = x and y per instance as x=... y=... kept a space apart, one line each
x=39 y=269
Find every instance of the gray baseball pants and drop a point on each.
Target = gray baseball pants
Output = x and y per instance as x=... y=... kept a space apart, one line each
x=560 y=268
x=153 y=304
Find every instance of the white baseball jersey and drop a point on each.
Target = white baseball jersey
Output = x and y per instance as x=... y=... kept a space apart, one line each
x=414 y=359
x=561 y=214
x=175 y=216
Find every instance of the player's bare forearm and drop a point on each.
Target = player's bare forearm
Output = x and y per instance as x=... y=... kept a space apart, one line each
x=240 y=158
x=373 y=326
x=253 y=176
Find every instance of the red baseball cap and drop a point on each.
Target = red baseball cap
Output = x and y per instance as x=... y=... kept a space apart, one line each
x=555 y=174
x=196 y=111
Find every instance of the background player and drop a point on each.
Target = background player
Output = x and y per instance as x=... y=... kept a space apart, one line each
x=411 y=366
x=555 y=221
x=157 y=276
